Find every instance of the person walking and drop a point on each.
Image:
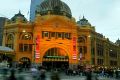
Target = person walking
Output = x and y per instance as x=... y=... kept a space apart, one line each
x=12 y=75
x=42 y=74
x=55 y=76
x=88 y=74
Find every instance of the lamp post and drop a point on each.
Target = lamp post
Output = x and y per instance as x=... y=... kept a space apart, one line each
x=34 y=52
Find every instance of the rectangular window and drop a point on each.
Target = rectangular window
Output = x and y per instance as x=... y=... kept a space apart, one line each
x=66 y=35
x=113 y=63
x=100 y=61
x=113 y=54
x=30 y=47
x=53 y=34
x=25 y=47
x=46 y=34
x=21 y=47
x=59 y=35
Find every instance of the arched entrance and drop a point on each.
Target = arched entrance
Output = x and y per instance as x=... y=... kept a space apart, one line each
x=24 y=62
x=56 y=58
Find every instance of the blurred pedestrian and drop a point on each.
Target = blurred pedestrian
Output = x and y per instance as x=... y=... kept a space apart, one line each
x=116 y=73
x=5 y=72
x=88 y=74
x=55 y=76
x=34 y=72
x=12 y=75
x=42 y=75
x=20 y=76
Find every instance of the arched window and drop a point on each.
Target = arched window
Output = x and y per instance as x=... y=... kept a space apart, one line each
x=10 y=41
x=25 y=46
x=26 y=37
x=56 y=53
x=10 y=38
x=24 y=59
x=81 y=39
x=25 y=62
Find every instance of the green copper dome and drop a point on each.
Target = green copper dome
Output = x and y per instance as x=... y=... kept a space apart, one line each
x=83 y=22
x=19 y=15
x=53 y=7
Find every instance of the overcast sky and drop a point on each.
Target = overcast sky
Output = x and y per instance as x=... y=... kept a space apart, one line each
x=103 y=14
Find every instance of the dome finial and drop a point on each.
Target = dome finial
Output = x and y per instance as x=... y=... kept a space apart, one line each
x=19 y=12
x=83 y=16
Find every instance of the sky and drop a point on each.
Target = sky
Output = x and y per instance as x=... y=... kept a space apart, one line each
x=103 y=14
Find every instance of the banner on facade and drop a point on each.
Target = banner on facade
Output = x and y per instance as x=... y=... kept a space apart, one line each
x=74 y=56
x=37 y=51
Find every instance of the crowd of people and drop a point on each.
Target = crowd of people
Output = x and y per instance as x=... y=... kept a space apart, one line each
x=35 y=73
x=39 y=73
x=94 y=73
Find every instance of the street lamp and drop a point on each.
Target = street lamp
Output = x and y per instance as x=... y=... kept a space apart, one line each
x=89 y=36
x=111 y=50
x=24 y=31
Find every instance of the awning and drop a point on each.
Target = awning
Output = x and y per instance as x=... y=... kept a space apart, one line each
x=6 y=49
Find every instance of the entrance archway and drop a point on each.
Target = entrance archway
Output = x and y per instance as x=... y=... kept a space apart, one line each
x=24 y=62
x=56 y=58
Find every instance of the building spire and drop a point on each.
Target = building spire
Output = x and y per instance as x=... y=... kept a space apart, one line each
x=19 y=12
x=83 y=17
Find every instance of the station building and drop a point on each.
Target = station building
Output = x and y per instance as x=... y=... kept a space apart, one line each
x=56 y=39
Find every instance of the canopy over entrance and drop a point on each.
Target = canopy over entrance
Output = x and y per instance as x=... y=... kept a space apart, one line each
x=6 y=49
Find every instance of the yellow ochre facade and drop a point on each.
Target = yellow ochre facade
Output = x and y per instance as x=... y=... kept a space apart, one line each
x=54 y=37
